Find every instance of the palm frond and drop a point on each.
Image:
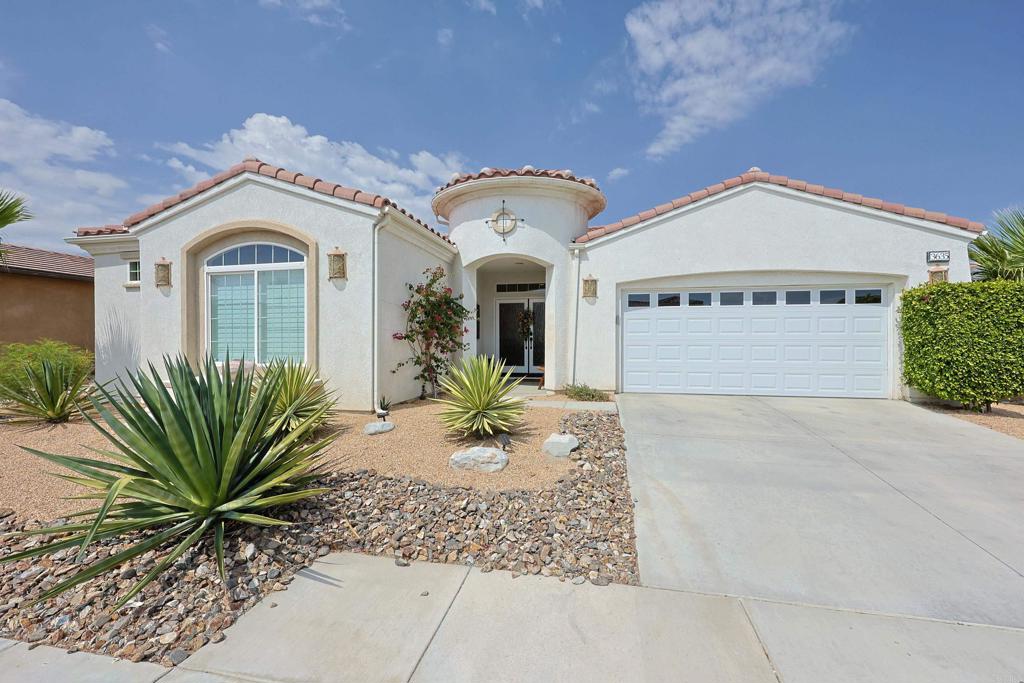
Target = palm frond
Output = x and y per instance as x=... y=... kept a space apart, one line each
x=1000 y=253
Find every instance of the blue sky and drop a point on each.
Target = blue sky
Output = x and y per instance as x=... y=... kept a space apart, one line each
x=107 y=107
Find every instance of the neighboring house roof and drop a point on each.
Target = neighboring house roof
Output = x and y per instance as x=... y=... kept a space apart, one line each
x=252 y=165
x=30 y=261
x=525 y=171
x=756 y=175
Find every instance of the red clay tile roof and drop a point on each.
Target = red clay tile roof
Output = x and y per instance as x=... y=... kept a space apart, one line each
x=756 y=175
x=47 y=263
x=256 y=166
x=525 y=171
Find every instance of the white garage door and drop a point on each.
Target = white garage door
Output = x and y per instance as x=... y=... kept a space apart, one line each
x=784 y=341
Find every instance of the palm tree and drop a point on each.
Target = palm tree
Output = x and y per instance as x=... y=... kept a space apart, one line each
x=1000 y=253
x=12 y=210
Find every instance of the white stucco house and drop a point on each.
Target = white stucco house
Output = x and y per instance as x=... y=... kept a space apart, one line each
x=759 y=284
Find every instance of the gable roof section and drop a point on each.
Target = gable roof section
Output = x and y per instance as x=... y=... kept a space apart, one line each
x=30 y=261
x=253 y=165
x=756 y=175
x=524 y=172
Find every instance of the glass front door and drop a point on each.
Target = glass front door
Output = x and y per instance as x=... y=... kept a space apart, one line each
x=521 y=346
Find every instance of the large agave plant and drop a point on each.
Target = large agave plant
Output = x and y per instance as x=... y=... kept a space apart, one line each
x=302 y=395
x=49 y=393
x=479 y=402
x=187 y=461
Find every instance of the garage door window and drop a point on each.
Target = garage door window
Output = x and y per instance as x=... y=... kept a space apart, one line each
x=638 y=301
x=668 y=299
x=764 y=298
x=798 y=297
x=699 y=299
x=731 y=299
x=832 y=296
x=868 y=296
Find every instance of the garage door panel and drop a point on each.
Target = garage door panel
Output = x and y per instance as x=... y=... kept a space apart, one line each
x=791 y=348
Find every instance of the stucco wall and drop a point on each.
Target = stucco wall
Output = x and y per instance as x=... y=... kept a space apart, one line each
x=401 y=262
x=34 y=307
x=745 y=236
x=118 y=322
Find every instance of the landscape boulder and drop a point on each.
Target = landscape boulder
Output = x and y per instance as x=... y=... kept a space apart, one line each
x=479 y=459
x=561 y=445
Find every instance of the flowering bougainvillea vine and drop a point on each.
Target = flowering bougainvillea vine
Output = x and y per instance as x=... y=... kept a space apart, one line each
x=434 y=327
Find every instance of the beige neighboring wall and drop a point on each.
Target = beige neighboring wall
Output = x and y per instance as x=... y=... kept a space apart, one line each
x=34 y=307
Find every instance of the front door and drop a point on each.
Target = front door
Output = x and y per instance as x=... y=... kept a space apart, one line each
x=521 y=339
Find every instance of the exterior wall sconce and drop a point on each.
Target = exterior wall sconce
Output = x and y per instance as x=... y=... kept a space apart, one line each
x=938 y=274
x=162 y=273
x=590 y=287
x=337 y=265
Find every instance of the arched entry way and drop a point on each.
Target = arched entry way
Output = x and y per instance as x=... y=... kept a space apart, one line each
x=512 y=312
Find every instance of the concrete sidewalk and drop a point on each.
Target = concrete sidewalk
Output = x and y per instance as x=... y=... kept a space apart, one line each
x=359 y=618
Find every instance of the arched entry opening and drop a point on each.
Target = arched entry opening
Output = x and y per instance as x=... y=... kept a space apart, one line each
x=512 y=312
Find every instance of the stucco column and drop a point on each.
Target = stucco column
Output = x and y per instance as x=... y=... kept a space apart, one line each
x=464 y=280
x=556 y=317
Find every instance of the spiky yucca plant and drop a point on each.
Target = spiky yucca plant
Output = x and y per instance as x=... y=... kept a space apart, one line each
x=480 y=403
x=301 y=396
x=49 y=393
x=186 y=461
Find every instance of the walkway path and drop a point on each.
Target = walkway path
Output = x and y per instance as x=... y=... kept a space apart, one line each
x=359 y=618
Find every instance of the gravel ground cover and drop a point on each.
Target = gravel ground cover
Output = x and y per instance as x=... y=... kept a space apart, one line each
x=25 y=485
x=1007 y=418
x=580 y=529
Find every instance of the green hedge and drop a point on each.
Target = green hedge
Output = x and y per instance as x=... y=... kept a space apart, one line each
x=964 y=341
x=14 y=358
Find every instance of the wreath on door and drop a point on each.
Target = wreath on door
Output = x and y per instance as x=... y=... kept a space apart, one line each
x=524 y=325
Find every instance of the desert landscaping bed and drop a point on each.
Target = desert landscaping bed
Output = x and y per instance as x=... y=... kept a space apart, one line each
x=1007 y=418
x=420 y=447
x=580 y=528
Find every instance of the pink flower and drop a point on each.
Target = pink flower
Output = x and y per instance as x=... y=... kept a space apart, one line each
x=398 y=336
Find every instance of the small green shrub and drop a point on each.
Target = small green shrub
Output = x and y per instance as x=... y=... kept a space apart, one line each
x=964 y=341
x=584 y=392
x=51 y=393
x=14 y=358
x=187 y=462
x=300 y=396
x=480 y=403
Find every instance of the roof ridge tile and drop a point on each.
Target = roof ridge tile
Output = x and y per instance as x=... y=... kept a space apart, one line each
x=756 y=175
x=254 y=165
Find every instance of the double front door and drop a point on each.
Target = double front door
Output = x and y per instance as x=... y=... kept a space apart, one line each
x=521 y=334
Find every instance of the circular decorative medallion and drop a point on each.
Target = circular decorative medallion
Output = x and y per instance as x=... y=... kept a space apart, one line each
x=503 y=222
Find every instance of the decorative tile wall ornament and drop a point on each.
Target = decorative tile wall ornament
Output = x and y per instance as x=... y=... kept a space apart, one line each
x=162 y=273
x=590 y=287
x=337 y=265
x=938 y=274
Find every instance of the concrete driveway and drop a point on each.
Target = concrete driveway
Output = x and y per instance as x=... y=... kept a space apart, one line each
x=860 y=505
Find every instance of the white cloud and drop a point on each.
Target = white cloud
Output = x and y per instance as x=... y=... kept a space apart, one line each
x=617 y=173
x=277 y=140
x=483 y=6
x=701 y=65
x=160 y=39
x=53 y=163
x=325 y=13
x=191 y=174
x=445 y=36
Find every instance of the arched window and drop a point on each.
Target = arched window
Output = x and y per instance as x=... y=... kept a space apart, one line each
x=256 y=303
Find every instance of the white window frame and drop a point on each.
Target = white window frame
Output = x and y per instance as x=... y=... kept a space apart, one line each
x=135 y=280
x=255 y=269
